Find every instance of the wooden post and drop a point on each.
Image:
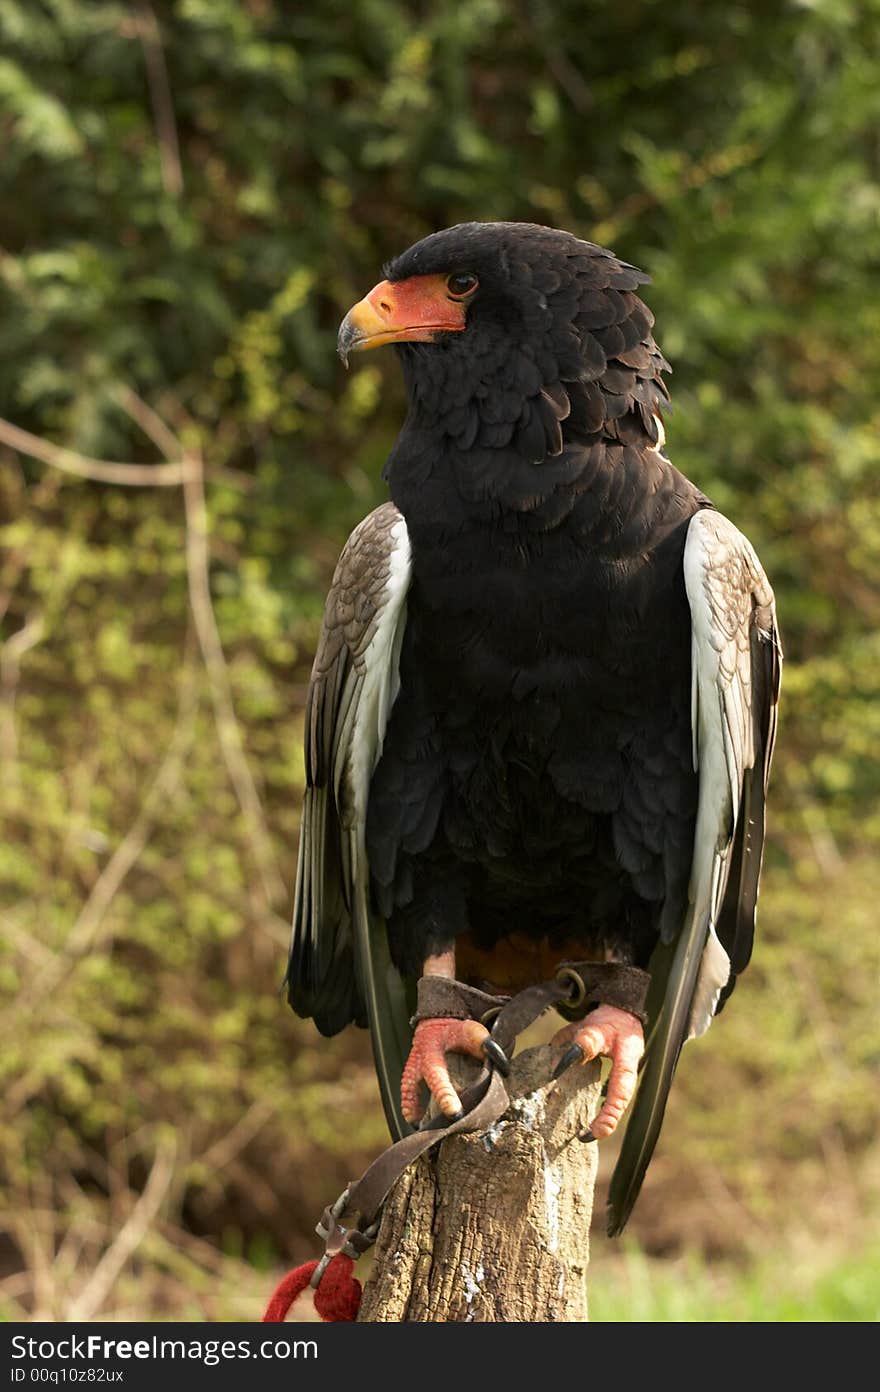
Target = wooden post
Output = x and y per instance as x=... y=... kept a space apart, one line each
x=495 y=1227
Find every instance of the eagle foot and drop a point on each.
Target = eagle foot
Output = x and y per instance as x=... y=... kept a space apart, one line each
x=607 y=1032
x=573 y=1054
x=432 y=1040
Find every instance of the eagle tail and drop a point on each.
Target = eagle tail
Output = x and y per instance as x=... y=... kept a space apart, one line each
x=384 y=992
x=320 y=979
x=675 y=970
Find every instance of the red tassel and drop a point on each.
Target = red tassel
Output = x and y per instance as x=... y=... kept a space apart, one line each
x=337 y=1298
x=287 y=1290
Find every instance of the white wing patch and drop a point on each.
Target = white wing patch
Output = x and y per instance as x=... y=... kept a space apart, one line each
x=359 y=751
x=725 y=585
x=339 y=967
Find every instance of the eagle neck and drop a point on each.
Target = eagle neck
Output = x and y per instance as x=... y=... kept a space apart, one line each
x=608 y=495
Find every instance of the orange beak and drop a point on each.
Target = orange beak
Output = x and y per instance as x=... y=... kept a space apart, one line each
x=403 y=311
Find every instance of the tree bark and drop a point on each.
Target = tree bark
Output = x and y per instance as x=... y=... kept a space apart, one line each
x=495 y=1227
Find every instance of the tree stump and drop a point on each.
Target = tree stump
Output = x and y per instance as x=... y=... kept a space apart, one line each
x=495 y=1227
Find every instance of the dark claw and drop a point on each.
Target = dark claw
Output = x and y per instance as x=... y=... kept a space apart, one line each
x=456 y=1116
x=495 y=1054
x=573 y=1054
x=586 y=1136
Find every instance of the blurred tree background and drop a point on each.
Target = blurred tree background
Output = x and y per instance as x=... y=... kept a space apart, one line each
x=193 y=192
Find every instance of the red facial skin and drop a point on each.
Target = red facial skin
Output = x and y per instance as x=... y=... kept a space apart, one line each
x=403 y=311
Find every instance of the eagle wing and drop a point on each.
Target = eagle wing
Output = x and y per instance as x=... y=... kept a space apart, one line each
x=736 y=661
x=339 y=968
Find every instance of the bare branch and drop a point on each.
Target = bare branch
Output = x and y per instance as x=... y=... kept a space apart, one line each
x=242 y=1133
x=26 y=943
x=228 y=731
x=11 y=653
x=199 y=580
x=149 y=422
x=34 y=1231
x=102 y=471
x=157 y=430
x=170 y=475
x=132 y=844
x=204 y=619
x=160 y=98
x=90 y=1300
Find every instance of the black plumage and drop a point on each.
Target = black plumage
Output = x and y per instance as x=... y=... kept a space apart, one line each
x=529 y=772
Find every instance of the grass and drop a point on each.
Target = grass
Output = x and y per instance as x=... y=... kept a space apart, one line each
x=795 y=1286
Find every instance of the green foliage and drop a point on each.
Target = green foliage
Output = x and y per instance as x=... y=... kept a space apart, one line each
x=193 y=193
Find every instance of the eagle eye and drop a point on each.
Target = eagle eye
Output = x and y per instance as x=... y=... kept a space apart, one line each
x=461 y=285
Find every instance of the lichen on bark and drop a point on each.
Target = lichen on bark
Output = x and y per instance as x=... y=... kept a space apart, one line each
x=494 y=1227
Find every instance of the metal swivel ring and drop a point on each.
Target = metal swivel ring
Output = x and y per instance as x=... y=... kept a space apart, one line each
x=571 y=1009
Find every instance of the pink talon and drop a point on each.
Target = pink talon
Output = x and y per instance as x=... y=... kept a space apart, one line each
x=608 y=1032
x=432 y=1040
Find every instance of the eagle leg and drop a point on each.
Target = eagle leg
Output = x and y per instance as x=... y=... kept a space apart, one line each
x=607 y=1032
x=432 y=1040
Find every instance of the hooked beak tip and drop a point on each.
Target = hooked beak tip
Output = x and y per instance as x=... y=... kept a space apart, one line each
x=348 y=338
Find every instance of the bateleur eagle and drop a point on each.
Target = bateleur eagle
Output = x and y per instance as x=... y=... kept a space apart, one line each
x=543 y=705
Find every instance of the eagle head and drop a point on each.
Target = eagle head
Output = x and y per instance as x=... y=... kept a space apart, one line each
x=517 y=336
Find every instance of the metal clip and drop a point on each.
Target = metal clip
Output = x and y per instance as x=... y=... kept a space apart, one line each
x=319 y=1270
x=333 y=1234
x=360 y=1240
x=330 y=1217
x=336 y=1238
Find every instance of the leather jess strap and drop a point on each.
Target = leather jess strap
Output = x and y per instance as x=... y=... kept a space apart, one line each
x=589 y=984
x=577 y=987
x=440 y=998
x=604 y=983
